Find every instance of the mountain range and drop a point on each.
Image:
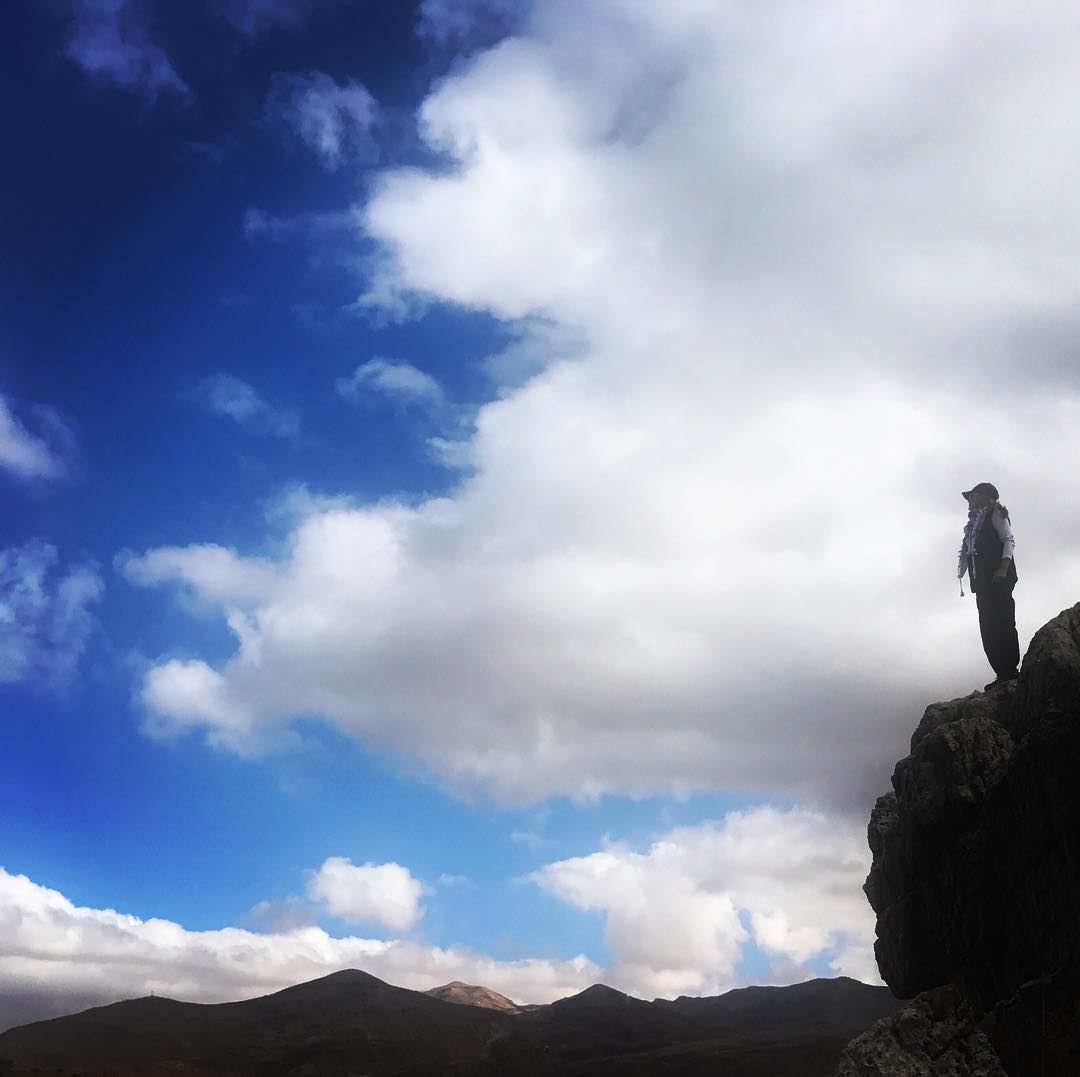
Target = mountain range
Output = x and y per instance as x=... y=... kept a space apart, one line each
x=352 y=1023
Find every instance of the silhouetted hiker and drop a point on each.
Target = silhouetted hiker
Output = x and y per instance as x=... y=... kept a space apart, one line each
x=986 y=555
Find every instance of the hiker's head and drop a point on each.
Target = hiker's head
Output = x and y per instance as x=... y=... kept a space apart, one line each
x=978 y=497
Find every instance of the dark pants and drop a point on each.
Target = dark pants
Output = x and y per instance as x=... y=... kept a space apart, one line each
x=997 y=624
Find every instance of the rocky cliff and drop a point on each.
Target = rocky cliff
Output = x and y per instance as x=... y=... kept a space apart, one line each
x=976 y=881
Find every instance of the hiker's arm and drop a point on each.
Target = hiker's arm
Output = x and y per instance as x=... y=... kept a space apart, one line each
x=1003 y=527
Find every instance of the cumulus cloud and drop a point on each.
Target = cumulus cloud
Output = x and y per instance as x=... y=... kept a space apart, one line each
x=111 y=41
x=333 y=119
x=58 y=957
x=398 y=381
x=805 y=251
x=38 y=453
x=232 y=398
x=386 y=894
x=679 y=916
x=46 y=615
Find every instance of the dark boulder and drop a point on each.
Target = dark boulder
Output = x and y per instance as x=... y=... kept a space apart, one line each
x=933 y=1037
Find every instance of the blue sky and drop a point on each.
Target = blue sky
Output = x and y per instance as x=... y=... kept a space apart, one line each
x=469 y=473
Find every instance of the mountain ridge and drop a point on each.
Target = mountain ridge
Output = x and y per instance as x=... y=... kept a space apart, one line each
x=351 y=1022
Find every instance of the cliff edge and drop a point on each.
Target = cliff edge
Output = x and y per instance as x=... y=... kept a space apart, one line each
x=976 y=881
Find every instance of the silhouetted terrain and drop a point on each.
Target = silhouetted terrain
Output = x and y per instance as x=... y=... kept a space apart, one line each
x=976 y=880
x=352 y=1023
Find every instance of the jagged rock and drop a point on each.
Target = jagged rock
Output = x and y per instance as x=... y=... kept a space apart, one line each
x=976 y=859
x=1050 y=688
x=946 y=779
x=933 y=1037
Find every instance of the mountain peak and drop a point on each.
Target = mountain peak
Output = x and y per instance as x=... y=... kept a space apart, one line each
x=464 y=994
x=598 y=995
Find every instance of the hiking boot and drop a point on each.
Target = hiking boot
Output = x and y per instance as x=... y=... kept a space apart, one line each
x=1005 y=678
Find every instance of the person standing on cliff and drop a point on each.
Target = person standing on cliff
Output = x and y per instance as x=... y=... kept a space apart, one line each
x=986 y=557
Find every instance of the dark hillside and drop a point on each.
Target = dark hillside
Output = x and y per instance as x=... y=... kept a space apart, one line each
x=351 y=1023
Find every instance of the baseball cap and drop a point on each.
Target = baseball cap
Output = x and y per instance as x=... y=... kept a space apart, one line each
x=981 y=488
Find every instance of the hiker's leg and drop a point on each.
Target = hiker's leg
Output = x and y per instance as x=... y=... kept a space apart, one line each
x=1008 y=641
x=997 y=624
x=985 y=602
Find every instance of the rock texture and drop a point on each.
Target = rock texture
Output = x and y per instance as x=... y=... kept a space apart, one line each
x=976 y=880
x=933 y=1037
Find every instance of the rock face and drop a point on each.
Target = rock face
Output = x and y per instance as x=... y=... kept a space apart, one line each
x=933 y=1037
x=976 y=880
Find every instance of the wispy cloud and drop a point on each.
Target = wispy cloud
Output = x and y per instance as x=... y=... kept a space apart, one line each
x=111 y=41
x=46 y=615
x=400 y=382
x=227 y=396
x=236 y=300
x=253 y=18
x=41 y=453
x=449 y=881
x=259 y=224
x=333 y=119
x=468 y=23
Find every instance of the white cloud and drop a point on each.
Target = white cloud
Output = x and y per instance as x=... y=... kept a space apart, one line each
x=679 y=916
x=184 y=695
x=29 y=454
x=46 y=617
x=253 y=18
x=58 y=957
x=333 y=119
x=225 y=395
x=110 y=40
x=217 y=573
x=398 y=381
x=818 y=260
x=383 y=893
